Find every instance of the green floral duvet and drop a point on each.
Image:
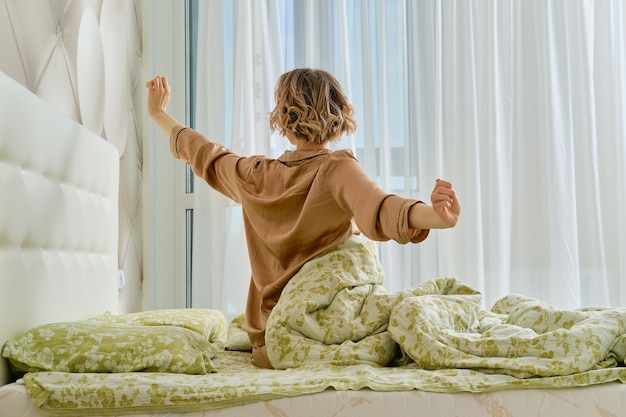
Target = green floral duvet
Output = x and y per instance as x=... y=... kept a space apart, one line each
x=335 y=326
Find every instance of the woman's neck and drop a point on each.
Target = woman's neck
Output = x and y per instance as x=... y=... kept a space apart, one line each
x=304 y=145
x=308 y=146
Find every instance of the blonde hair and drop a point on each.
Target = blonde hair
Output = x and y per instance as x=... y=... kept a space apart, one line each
x=311 y=105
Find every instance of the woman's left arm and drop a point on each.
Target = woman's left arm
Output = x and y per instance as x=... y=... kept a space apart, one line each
x=158 y=99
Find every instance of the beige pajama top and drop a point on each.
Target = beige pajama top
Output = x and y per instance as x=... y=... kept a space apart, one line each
x=294 y=207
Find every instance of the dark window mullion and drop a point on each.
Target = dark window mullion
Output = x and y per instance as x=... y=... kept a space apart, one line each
x=191 y=45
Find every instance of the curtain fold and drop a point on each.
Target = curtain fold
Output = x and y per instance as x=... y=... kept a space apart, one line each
x=520 y=104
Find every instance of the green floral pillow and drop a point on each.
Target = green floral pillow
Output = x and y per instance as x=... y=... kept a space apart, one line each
x=237 y=335
x=88 y=346
x=210 y=324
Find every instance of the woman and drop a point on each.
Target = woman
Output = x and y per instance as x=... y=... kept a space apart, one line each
x=309 y=199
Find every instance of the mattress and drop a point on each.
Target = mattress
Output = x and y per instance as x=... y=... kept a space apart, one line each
x=603 y=400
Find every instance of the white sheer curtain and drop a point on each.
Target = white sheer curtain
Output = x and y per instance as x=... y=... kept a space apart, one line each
x=521 y=104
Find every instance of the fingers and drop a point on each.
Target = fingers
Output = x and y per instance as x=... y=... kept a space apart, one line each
x=444 y=183
x=443 y=191
x=442 y=186
x=445 y=202
x=443 y=198
x=157 y=83
x=158 y=96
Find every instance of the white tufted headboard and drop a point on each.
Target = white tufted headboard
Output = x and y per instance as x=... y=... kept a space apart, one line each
x=58 y=217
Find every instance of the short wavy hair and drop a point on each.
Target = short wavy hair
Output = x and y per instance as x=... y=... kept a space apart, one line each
x=311 y=105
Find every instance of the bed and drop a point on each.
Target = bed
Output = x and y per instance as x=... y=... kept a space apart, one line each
x=58 y=272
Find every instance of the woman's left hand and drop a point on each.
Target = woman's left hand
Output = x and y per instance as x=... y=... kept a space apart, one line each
x=158 y=95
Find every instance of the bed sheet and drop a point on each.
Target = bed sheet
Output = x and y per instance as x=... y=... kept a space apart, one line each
x=604 y=400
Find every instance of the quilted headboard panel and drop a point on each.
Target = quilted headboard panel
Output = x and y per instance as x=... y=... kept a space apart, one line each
x=58 y=217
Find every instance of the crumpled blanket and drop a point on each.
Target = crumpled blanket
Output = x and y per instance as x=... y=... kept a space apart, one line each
x=336 y=311
x=336 y=327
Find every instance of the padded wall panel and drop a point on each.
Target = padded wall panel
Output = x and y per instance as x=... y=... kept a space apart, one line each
x=58 y=216
x=84 y=58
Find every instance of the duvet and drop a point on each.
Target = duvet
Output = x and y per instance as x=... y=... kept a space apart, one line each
x=335 y=326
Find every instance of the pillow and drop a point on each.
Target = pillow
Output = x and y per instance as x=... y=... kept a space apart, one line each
x=88 y=346
x=210 y=324
x=237 y=335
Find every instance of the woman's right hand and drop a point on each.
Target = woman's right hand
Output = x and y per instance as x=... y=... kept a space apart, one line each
x=446 y=203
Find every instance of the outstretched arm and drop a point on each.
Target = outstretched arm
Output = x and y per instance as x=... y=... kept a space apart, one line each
x=158 y=99
x=444 y=212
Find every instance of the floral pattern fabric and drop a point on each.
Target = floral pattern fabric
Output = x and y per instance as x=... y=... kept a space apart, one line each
x=335 y=326
x=174 y=340
x=239 y=382
x=336 y=311
x=209 y=323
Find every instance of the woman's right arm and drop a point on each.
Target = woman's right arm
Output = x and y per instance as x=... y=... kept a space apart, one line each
x=382 y=216
x=444 y=212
